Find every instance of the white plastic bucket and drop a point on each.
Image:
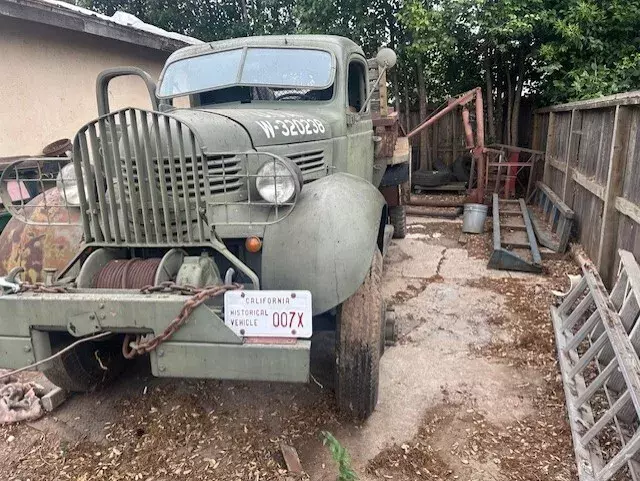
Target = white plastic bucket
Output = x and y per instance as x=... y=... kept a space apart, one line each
x=474 y=217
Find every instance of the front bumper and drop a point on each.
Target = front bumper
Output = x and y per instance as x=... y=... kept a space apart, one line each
x=204 y=347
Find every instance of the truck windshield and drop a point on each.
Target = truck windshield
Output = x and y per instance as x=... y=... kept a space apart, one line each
x=273 y=68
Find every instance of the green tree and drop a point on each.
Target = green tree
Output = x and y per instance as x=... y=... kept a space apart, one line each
x=593 y=49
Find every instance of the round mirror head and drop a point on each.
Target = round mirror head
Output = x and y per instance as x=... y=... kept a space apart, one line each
x=386 y=58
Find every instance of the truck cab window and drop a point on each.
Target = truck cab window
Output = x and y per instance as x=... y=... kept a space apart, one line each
x=356 y=87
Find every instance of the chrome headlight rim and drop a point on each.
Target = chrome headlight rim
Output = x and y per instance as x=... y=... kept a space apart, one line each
x=294 y=172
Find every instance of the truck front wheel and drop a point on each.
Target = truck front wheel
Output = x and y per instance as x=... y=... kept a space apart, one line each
x=398 y=219
x=360 y=321
x=88 y=366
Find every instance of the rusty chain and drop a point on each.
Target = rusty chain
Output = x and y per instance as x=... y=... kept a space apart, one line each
x=41 y=287
x=197 y=297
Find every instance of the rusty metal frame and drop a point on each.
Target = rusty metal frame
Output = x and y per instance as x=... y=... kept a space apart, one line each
x=477 y=150
x=502 y=152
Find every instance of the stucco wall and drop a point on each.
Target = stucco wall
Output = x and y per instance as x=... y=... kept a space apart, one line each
x=47 y=82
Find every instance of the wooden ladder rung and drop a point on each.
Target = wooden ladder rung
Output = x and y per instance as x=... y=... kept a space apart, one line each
x=515 y=244
x=513 y=226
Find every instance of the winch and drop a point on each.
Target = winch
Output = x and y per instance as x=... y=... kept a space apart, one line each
x=111 y=269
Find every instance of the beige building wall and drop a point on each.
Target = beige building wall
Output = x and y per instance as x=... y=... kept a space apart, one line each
x=47 y=82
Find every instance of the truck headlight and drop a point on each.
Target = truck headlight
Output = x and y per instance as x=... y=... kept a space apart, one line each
x=67 y=185
x=277 y=182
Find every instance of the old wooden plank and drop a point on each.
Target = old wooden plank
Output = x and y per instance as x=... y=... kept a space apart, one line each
x=575 y=141
x=589 y=184
x=556 y=164
x=627 y=98
x=291 y=459
x=609 y=228
x=546 y=176
x=628 y=208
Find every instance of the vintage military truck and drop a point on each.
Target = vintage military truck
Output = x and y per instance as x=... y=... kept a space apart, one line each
x=215 y=237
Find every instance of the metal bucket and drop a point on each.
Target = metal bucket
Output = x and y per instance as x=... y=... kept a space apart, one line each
x=474 y=217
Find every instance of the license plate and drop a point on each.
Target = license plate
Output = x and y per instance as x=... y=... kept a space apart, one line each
x=268 y=313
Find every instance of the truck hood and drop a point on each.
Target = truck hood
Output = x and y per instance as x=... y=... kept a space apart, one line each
x=275 y=127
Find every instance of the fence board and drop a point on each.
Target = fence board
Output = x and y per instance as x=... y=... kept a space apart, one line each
x=594 y=166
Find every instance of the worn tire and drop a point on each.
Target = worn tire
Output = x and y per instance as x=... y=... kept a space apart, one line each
x=78 y=370
x=358 y=337
x=398 y=219
x=440 y=166
x=462 y=168
x=430 y=178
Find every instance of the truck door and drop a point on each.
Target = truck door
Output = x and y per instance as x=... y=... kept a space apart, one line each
x=359 y=126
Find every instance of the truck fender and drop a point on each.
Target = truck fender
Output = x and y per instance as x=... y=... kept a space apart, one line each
x=326 y=244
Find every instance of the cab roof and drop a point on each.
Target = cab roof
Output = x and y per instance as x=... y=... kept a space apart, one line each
x=338 y=45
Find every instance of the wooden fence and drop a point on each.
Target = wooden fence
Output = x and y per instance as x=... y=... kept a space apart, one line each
x=593 y=164
x=445 y=139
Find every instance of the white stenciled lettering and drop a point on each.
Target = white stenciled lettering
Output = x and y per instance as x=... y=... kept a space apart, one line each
x=290 y=127
x=267 y=128
x=283 y=127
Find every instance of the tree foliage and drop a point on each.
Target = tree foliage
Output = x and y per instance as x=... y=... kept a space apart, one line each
x=555 y=50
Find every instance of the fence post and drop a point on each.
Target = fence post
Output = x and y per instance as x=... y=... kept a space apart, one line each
x=571 y=151
x=615 y=176
x=550 y=139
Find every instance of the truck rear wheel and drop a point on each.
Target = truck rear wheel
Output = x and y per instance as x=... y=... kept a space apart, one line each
x=398 y=219
x=358 y=350
x=88 y=366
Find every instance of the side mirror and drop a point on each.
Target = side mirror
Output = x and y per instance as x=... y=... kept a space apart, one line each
x=386 y=58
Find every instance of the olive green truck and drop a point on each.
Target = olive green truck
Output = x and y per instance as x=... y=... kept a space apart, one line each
x=218 y=231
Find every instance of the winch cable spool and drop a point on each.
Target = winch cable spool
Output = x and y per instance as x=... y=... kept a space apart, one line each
x=128 y=273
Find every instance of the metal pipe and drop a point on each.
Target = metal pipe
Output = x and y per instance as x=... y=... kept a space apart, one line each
x=462 y=100
x=416 y=201
x=479 y=119
x=433 y=213
x=468 y=132
x=478 y=152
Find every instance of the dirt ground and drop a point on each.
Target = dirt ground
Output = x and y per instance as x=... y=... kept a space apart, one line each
x=470 y=392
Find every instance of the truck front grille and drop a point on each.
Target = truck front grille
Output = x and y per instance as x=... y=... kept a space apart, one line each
x=150 y=183
x=312 y=161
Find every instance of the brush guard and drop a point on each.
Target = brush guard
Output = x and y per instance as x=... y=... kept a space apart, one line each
x=145 y=179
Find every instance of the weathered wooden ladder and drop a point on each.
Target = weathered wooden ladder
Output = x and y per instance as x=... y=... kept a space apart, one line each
x=598 y=340
x=514 y=243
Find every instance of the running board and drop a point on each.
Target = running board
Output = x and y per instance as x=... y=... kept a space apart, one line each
x=514 y=242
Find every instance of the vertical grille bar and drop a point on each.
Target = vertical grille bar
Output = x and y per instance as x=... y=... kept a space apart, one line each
x=100 y=181
x=115 y=151
x=174 y=180
x=128 y=164
x=109 y=163
x=151 y=178
x=161 y=179
x=246 y=170
x=199 y=205
x=77 y=167
x=183 y=169
x=143 y=185
x=93 y=205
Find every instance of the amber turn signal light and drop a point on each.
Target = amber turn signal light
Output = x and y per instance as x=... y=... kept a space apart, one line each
x=253 y=244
